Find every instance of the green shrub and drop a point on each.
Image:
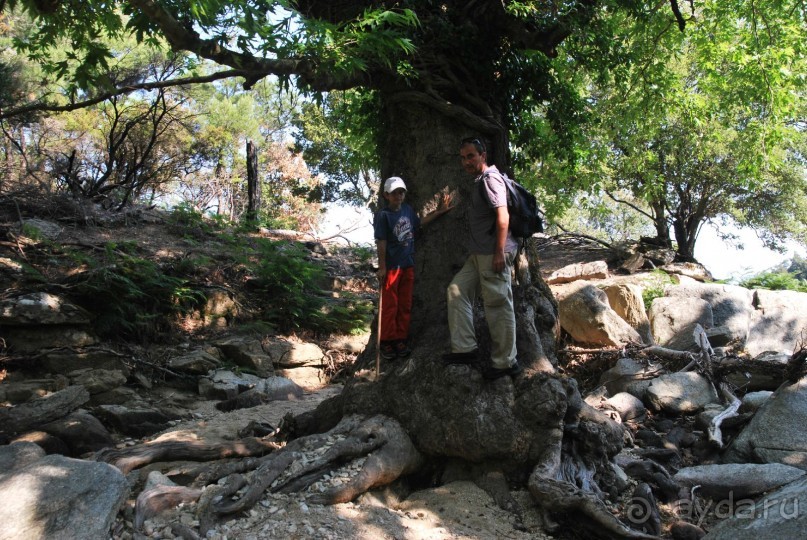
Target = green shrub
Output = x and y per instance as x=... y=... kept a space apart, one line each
x=364 y=254
x=132 y=297
x=291 y=289
x=775 y=281
x=186 y=217
x=654 y=287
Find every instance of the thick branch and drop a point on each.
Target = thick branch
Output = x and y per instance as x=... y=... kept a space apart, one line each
x=182 y=38
x=128 y=89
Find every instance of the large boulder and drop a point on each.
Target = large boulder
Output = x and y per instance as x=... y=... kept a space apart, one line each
x=586 y=315
x=778 y=321
x=680 y=393
x=776 y=434
x=247 y=353
x=673 y=319
x=731 y=305
x=777 y=516
x=737 y=480
x=60 y=498
x=626 y=300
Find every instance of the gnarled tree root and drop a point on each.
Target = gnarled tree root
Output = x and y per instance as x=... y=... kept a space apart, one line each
x=558 y=496
x=554 y=496
x=381 y=442
x=128 y=459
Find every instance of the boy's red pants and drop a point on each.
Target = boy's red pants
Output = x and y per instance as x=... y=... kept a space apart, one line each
x=396 y=303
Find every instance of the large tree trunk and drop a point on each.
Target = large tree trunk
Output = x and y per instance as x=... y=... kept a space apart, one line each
x=535 y=426
x=423 y=149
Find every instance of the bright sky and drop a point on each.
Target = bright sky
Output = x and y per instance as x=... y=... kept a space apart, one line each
x=725 y=262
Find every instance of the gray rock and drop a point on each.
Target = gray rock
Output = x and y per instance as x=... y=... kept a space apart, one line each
x=777 y=322
x=627 y=405
x=224 y=384
x=280 y=388
x=752 y=401
x=65 y=362
x=578 y=271
x=737 y=480
x=776 y=433
x=625 y=372
x=777 y=516
x=60 y=498
x=41 y=309
x=680 y=393
x=138 y=422
x=98 y=380
x=81 y=432
x=731 y=306
x=30 y=339
x=19 y=454
x=247 y=353
x=290 y=354
x=672 y=321
x=41 y=228
x=587 y=317
x=195 y=363
x=24 y=390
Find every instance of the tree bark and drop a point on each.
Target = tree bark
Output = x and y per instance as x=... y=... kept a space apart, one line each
x=253 y=185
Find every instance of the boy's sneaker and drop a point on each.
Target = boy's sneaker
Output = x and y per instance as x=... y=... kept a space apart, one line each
x=388 y=351
x=492 y=373
x=402 y=350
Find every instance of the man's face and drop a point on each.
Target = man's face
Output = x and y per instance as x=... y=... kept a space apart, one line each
x=472 y=161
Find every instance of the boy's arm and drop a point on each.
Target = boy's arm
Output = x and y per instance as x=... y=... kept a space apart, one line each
x=381 y=249
x=446 y=204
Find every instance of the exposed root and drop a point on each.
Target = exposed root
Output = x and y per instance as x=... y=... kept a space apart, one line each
x=152 y=502
x=558 y=496
x=128 y=459
x=555 y=495
x=379 y=445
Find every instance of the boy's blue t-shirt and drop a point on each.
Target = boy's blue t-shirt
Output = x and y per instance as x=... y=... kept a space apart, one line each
x=398 y=229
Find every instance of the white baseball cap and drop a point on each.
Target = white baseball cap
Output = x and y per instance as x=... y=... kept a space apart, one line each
x=392 y=183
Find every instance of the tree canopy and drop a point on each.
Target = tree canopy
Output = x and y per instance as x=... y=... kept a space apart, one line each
x=585 y=94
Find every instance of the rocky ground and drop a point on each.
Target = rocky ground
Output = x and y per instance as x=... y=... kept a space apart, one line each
x=457 y=510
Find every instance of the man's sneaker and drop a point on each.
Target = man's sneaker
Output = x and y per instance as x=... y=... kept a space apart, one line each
x=492 y=373
x=402 y=350
x=388 y=350
x=460 y=357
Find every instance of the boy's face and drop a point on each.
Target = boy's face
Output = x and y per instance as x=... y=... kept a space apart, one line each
x=395 y=198
x=472 y=161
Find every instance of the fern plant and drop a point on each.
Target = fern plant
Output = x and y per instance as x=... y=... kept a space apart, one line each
x=132 y=297
x=292 y=287
x=775 y=281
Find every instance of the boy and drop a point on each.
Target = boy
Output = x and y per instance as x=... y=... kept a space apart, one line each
x=394 y=231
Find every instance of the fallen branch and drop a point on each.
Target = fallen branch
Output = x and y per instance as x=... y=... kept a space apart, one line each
x=715 y=434
x=668 y=354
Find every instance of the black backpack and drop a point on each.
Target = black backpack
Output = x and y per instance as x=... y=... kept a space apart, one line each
x=525 y=217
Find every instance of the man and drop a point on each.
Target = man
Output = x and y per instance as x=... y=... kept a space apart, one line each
x=487 y=270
